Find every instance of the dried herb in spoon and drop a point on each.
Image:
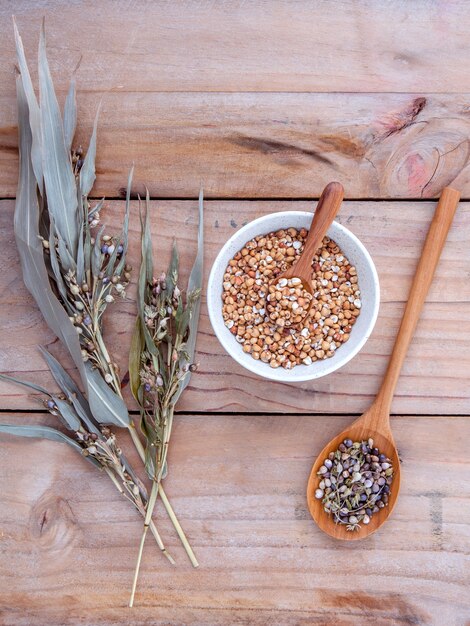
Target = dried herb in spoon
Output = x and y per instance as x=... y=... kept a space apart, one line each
x=354 y=483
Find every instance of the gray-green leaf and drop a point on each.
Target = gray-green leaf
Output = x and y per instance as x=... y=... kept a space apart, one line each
x=105 y=404
x=58 y=176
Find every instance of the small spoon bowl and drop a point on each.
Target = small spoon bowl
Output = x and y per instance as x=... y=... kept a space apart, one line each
x=325 y=212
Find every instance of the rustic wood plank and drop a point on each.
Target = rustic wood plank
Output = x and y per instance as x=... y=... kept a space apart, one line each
x=435 y=375
x=238 y=484
x=256 y=145
x=268 y=45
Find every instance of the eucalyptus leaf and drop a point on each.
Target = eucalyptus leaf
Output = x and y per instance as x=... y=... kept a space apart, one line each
x=66 y=259
x=44 y=432
x=70 y=115
x=96 y=258
x=55 y=263
x=34 y=114
x=87 y=172
x=81 y=256
x=68 y=414
x=105 y=404
x=25 y=383
x=58 y=176
x=65 y=382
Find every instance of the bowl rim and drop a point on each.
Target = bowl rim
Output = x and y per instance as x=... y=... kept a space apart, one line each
x=272 y=374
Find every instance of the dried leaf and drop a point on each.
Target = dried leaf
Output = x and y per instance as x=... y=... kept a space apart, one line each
x=96 y=259
x=44 y=432
x=68 y=414
x=80 y=256
x=195 y=284
x=55 y=264
x=87 y=173
x=106 y=406
x=33 y=112
x=98 y=206
x=135 y=352
x=70 y=115
x=25 y=383
x=58 y=176
x=125 y=226
x=65 y=382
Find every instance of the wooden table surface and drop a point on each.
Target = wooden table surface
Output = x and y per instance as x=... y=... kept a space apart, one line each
x=264 y=102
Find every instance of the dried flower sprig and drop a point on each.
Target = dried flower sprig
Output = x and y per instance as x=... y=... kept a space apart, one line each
x=162 y=359
x=94 y=442
x=71 y=268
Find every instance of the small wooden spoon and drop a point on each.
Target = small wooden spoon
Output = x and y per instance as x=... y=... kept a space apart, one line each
x=375 y=422
x=325 y=212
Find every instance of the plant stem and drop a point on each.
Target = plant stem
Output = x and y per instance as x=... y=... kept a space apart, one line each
x=166 y=502
x=177 y=525
x=148 y=516
x=153 y=528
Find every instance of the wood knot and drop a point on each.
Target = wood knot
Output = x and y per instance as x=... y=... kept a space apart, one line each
x=426 y=159
x=52 y=524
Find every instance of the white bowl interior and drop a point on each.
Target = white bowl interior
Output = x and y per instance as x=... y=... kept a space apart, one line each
x=368 y=284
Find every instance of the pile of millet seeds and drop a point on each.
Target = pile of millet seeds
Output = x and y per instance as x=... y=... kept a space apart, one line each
x=247 y=295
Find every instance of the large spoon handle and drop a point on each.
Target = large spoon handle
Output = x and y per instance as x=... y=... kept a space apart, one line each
x=430 y=255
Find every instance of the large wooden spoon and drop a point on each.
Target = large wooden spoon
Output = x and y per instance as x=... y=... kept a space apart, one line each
x=375 y=422
x=325 y=212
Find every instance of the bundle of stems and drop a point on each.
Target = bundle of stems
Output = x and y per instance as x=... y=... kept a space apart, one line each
x=72 y=268
x=161 y=359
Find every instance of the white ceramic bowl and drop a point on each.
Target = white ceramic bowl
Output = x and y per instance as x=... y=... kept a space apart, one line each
x=368 y=284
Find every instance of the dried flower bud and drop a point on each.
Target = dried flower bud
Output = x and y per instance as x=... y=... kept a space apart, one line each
x=111 y=249
x=193 y=367
x=79 y=305
x=87 y=320
x=119 y=288
x=159 y=380
x=94 y=223
x=106 y=238
x=45 y=244
x=174 y=356
x=109 y=298
x=176 y=292
x=108 y=378
x=115 y=279
x=75 y=289
x=120 y=249
x=85 y=287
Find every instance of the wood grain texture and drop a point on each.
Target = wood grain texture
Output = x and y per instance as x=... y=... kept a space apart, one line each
x=238 y=484
x=268 y=45
x=393 y=232
x=258 y=145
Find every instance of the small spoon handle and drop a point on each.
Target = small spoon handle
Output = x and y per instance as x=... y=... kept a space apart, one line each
x=435 y=240
x=327 y=208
